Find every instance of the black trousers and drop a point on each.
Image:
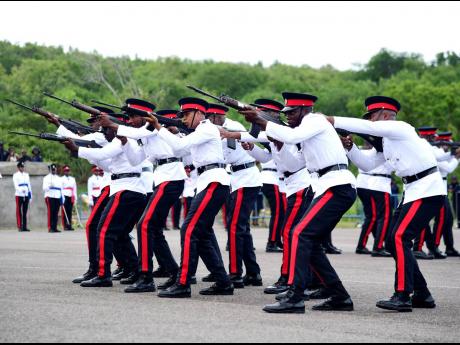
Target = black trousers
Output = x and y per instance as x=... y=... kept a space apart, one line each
x=151 y=238
x=176 y=210
x=187 y=202
x=240 y=240
x=197 y=235
x=53 y=205
x=297 y=205
x=378 y=212
x=118 y=219
x=317 y=223
x=443 y=228
x=411 y=218
x=22 y=207
x=277 y=211
x=67 y=215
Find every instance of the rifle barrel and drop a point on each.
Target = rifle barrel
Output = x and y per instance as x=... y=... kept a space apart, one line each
x=56 y=98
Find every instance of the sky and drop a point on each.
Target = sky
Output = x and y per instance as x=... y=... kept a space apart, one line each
x=342 y=34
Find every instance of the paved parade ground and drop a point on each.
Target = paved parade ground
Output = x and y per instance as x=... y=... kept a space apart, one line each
x=39 y=303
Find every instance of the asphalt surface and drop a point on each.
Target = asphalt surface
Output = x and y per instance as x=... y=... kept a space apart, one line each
x=39 y=303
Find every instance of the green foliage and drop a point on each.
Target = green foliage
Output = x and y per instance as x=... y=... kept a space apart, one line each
x=429 y=93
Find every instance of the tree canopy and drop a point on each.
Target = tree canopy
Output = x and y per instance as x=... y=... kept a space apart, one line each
x=429 y=92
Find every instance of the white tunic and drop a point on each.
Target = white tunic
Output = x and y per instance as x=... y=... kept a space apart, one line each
x=69 y=187
x=22 y=185
x=52 y=187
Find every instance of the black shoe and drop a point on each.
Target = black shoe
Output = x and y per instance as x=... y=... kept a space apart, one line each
x=161 y=273
x=131 y=279
x=452 y=253
x=237 y=281
x=23 y=230
x=381 y=253
x=363 y=251
x=69 y=230
x=193 y=280
x=279 y=287
x=423 y=301
x=97 y=282
x=253 y=280
x=54 y=231
x=399 y=302
x=143 y=284
x=273 y=248
x=438 y=255
x=421 y=255
x=217 y=290
x=332 y=250
x=176 y=291
x=334 y=304
x=227 y=247
x=284 y=295
x=120 y=274
x=167 y=284
x=90 y=274
x=209 y=279
x=319 y=294
x=290 y=304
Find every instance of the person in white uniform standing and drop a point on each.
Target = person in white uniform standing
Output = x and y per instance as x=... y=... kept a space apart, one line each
x=23 y=193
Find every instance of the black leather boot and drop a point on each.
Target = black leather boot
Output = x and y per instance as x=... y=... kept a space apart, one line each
x=319 y=294
x=273 y=248
x=381 y=253
x=97 y=282
x=176 y=291
x=90 y=274
x=253 y=280
x=453 y=253
x=237 y=281
x=421 y=255
x=218 y=290
x=438 y=255
x=363 y=251
x=279 y=287
x=209 y=279
x=423 y=300
x=335 y=304
x=167 y=284
x=120 y=274
x=143 y=284
x=400 y=302
x=161 y=273
x=131 y=279
x=330 y=249
x=291 y=304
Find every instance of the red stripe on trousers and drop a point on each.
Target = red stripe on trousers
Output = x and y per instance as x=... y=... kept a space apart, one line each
x=386 y=221
x=372 y=223
x=287 y=230
x=422 y=240
x=277 y=214
x=302 y=226
x=233 y=226
x=48 y=206
x=191 y=228
x=145 y=226
x=104 y=229
x=400 y=258
x=102 y=197
x=18 y=214
x=442 y=219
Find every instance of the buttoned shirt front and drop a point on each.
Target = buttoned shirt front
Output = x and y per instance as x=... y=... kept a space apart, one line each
x=22 y=185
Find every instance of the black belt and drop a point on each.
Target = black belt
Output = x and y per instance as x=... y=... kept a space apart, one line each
x=205 y=168
x=236 y=168
x=288 y=174
x=444 y=178
x=275 y=170
x=416 y=177
x=336 y=167
x=377 y=175
x=147 y=170
x=168 y=161
x=121 y=176
x=190 y=167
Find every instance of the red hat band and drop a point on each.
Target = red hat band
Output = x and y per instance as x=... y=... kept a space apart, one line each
x=216 y=111
x=140 y=107
x=199 y=107
x=271 y=106
x=427 y=133
x=299 y=103
x=445 y=138
x=382 y=106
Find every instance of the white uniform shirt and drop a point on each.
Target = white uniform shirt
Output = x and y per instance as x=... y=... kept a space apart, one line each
x=446 y=168
x=205 y=146
x=112 y=158
x=154 y=149
x=288 y=159
x=147 y=176
x=405 y=153
x=98 y=137
x=69 y=187
x=190 y=182
x=321 y=148
x=22 y=185
x=269 y=173
x=95 y=187
x=365 y=179
x=246 y=178
x=52 y=187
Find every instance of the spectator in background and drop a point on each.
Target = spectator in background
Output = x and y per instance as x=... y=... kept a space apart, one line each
x=12 y=156
x=36 y=155
x=3 y=153
x=24 y=157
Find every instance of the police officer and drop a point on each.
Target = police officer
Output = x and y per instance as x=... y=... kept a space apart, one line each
x=69 y=190
x=54 y=198
x=414 y=161
x=213 y=189
x=23 y=192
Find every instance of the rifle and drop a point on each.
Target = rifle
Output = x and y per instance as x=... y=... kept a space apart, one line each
x=73 y=126
x=60 y=139
x=239 y=106
x=107 y=104
x=376 y=142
